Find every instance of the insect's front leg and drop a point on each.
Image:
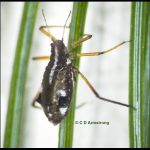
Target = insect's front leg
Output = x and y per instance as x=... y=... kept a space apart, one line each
x=47 y=33
x=42 y=29
x=80 y=41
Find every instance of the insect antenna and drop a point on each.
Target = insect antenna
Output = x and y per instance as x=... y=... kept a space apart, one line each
x=45 y=21
x=65 y=25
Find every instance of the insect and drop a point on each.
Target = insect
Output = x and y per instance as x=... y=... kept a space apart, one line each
x=58 y=80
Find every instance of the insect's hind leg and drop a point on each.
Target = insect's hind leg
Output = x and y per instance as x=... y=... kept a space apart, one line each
x=96 y=93
x=83 y=104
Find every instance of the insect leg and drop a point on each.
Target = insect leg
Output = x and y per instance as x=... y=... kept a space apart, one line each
x=47 y=33
x=37 y=98
x=81 y=40
x=55 y=26
x=50 y=36
x=83 y=104
x=41 y=57
x=97 y=53
x=96 y=93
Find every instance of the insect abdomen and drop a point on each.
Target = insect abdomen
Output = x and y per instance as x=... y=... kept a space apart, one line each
x=59 y=93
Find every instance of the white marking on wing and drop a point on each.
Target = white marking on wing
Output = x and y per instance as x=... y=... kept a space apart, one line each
x=50 y=115
x=61 y=93
x=63 y=110
x=68 y=61
x=72 y=78
x=54 y=66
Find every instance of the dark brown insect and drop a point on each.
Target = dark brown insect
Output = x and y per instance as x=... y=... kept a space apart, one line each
x=57 y=85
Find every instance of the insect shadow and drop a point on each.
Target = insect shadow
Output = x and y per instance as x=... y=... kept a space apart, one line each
x=57 y=85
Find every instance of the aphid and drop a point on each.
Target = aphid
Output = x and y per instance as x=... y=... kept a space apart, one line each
x=57 y=86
